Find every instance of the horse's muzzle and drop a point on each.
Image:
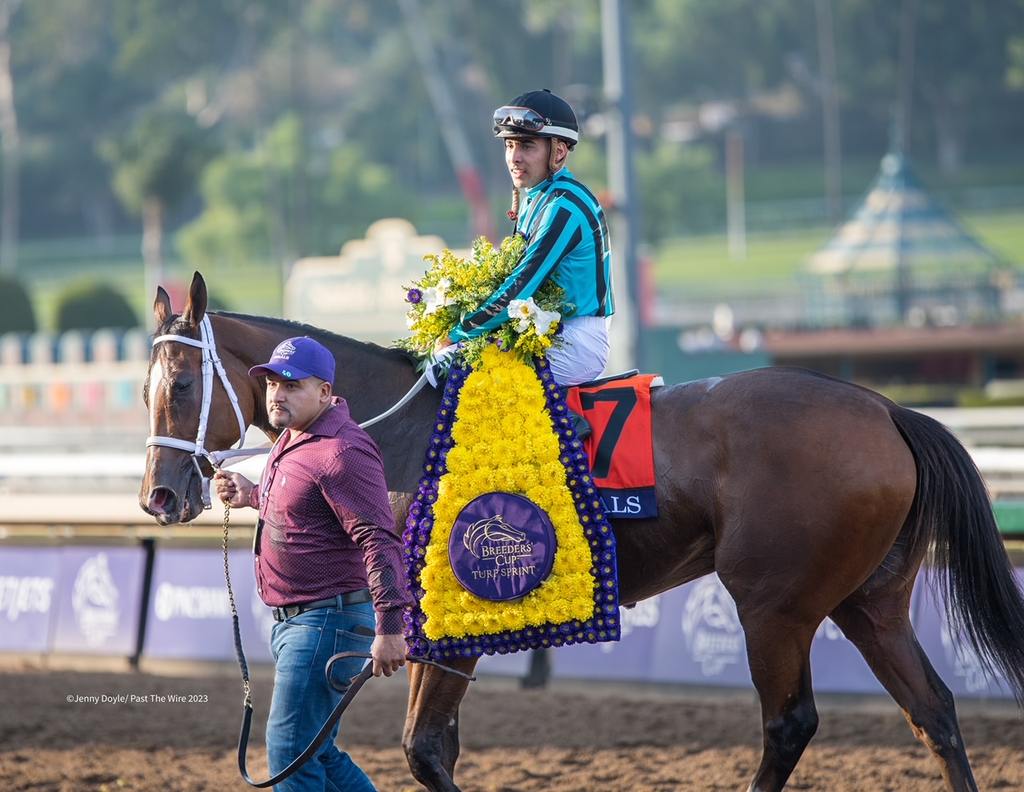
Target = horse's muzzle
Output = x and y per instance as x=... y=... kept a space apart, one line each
x=165 y=505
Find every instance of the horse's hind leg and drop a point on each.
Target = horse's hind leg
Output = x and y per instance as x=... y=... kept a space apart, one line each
x=877 y=621
x=431 y=736
x=778 y=650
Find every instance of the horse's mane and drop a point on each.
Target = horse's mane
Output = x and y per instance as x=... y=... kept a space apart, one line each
x=300 y=328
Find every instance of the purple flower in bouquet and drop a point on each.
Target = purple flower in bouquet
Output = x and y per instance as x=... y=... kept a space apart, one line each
x=414 y=296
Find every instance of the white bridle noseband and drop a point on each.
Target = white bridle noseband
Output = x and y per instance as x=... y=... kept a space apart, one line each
x=211 y=363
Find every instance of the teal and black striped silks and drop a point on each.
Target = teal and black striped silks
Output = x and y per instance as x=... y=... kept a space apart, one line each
x=567 y=240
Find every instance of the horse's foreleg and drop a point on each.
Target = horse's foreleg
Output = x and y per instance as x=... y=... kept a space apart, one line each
x=779 y=655
x=431 y=736
x=881 y=630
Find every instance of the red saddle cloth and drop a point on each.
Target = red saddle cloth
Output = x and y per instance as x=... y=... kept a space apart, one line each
x=619 y=445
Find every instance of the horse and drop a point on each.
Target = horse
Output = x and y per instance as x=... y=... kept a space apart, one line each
x=809 y=496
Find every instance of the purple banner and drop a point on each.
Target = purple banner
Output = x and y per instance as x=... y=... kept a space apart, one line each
x=28 y=588
x=951 y=654
x=502 y=546
x=98 y=605
x=836 y=664
x=628 y=658
x=189 y=615
x=699 y=639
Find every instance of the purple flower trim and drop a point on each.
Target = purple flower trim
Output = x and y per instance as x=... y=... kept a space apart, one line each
x=603 y=625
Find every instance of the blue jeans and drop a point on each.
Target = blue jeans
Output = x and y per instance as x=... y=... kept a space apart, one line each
x=302 y=699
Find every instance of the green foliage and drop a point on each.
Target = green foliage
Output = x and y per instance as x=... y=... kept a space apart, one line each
x=680 y=188
x=364 y=140
x=159 y=156
x=275 y=199
x=91 y=305
x=16 y=314
x=216 y=302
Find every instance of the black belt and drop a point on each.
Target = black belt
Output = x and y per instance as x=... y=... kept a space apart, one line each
x=349 y=598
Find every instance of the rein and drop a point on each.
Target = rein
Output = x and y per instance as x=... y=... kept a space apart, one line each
x=197 y=449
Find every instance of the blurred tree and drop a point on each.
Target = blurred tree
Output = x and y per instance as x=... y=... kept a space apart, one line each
x=91 y=305
x=9 y=196
x=248 y=202
x=157 y=162
x=85 y=70
x=16 y=314
x=683 y=189
x=963 y=54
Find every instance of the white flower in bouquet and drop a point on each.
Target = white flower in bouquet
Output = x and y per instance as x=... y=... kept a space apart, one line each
x=436 y=297
x=523 y=313
x=542 y=320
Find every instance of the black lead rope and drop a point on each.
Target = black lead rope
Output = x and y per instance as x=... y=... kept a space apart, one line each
x=348 y=690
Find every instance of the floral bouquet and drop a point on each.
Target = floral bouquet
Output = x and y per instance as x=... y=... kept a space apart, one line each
x=454 y=287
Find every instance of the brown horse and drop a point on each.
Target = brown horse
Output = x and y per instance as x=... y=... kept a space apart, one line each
x=809 y=497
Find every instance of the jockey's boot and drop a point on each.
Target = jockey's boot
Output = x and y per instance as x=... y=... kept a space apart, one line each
x=580 y=425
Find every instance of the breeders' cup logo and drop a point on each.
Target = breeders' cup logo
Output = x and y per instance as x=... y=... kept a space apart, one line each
x=493 y=538
x=502 y=546
x=94 y=599
x=712 y=627
x=284 y=350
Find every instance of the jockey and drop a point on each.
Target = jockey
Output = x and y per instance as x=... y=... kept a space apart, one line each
x=566 y=235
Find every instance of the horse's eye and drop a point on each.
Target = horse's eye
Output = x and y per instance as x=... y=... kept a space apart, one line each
x=180 y=386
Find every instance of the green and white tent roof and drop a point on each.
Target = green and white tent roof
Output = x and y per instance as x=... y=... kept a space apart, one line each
x=899 y=224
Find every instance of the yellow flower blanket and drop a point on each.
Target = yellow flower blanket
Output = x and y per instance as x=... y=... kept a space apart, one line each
x=507 y=544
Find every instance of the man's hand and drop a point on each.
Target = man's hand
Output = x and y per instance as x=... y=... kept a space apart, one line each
x=443 y=343
x=388 y=652
x=233 y=489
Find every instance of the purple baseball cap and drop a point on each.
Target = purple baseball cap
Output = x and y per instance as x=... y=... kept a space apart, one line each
x=298 y=358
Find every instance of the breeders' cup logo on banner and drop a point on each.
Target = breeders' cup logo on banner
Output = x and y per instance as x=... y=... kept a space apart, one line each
x=502 y=546
x=712 y=627
x=94 y=600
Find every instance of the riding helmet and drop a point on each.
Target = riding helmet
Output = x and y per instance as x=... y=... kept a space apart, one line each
x=551 y=117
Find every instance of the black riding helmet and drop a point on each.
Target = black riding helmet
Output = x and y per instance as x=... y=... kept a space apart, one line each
x=537 y=114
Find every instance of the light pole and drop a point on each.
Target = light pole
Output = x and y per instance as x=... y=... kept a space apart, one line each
x=627 y=346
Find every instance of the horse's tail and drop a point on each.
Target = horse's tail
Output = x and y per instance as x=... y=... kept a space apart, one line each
x=952 y=513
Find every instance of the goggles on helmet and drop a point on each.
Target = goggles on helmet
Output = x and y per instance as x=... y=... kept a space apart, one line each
x=519 y=117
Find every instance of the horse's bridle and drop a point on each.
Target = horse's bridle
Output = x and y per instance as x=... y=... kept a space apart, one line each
x=212 y=363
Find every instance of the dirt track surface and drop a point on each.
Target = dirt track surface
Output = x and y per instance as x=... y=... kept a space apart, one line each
x=570 y=738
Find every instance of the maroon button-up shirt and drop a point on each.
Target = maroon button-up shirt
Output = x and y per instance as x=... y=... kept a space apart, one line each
x=326 y=526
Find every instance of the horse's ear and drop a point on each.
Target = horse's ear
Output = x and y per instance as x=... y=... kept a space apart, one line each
x=195 y=308
x=161 y=307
